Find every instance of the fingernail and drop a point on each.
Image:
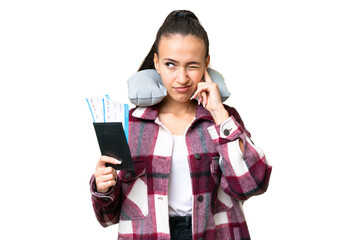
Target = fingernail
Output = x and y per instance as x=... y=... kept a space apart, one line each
x=118 y=161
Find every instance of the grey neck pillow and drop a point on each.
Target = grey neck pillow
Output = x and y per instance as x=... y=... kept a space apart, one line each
x=146 y=88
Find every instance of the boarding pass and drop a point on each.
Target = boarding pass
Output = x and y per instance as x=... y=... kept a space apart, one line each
x=103 y=109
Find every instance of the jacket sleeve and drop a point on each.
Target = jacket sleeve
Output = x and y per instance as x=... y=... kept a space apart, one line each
x=106 y=205
x=244 y=173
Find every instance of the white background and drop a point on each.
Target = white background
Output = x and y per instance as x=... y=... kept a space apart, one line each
x=292 y=68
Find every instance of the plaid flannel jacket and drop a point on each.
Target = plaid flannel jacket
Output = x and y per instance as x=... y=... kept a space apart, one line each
x=222 y=177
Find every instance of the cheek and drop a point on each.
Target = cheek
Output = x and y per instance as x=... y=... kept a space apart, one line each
x=196 y=76
x=166 y=78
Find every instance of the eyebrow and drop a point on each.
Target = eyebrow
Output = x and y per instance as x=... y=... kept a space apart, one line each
x=172 y=60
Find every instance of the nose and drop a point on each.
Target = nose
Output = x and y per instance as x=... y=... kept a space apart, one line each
x=182 y=76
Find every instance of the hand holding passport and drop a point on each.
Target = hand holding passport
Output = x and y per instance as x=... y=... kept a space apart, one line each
x=111 y=123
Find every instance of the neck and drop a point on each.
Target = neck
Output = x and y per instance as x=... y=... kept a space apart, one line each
x=168 y=105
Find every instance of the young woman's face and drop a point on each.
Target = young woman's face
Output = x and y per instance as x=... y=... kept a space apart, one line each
x=181 y=63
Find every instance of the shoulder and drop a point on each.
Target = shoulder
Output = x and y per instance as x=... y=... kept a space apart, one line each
x=144 y=113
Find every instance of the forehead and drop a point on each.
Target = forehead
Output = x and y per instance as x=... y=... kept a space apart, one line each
x=179 y=47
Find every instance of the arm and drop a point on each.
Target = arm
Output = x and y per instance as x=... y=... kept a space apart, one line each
x=245 y=169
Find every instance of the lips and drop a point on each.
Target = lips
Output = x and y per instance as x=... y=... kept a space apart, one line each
x=182 y=89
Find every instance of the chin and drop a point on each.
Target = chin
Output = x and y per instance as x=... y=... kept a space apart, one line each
x=181 y=99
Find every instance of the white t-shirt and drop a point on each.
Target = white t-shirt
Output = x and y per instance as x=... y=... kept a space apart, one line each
x=180 y=189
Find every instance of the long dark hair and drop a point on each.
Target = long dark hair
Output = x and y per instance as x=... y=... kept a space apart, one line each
x=182 y=22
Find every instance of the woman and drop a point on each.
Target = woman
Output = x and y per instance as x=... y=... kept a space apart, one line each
x=193 y=158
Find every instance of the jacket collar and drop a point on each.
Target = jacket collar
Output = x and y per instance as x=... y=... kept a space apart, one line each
x=152 y=112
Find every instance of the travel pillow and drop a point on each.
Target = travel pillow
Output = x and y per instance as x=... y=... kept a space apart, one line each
x=146 y=88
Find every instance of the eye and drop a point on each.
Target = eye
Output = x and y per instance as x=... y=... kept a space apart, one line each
x=193 y=66
x=170 y=64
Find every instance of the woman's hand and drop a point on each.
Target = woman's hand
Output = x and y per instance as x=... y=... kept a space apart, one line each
x=105 y=177
x=209 y=96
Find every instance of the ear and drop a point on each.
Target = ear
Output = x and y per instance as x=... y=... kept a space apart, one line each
x=156 y=62
x=207 y=61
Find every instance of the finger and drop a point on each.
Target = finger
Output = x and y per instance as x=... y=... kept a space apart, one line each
x=104 y=186
x=201 y=87
x=204 y=97
x=105 y=171
x=105 y=178
x=194 y=95
x=207 y=77
x=114 y=174
x=100 y=172
x=106 y=159
x=208 y=87
x=199 y=99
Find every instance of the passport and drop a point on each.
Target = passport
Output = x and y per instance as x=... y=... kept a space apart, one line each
x=111 y=124
x=112 y=143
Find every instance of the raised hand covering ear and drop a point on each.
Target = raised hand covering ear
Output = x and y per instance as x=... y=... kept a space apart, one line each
x=146 y=88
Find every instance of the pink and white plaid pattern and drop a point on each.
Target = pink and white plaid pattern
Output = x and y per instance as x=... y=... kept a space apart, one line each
x=222 y=177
